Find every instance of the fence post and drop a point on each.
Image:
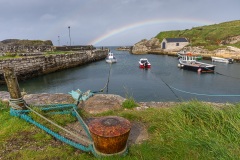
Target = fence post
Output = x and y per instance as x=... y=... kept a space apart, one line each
x=13 y=87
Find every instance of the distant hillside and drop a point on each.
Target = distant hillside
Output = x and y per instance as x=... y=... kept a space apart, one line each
x=211 y=37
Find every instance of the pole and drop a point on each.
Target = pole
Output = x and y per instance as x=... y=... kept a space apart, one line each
x=13 y=86
x=58 y=40
x=69 y=35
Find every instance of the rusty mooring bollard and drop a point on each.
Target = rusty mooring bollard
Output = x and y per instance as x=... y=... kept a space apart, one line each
x=110 y=134
x=13 y=87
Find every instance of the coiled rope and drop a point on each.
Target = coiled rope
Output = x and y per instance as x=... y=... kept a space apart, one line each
x=13 y=103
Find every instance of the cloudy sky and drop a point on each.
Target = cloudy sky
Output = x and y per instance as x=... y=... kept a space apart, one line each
x=108 y=22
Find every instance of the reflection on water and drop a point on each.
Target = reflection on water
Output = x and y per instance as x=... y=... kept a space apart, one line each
x=127 y=79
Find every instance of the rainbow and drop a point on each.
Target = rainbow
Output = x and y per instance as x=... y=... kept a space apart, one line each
x=146 y=23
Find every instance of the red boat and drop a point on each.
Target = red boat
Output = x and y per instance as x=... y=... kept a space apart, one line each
x=143 y=63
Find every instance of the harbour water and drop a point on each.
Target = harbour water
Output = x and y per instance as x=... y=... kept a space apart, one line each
x=163 y=82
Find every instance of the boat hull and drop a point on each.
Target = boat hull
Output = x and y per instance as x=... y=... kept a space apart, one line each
x=111 y=60
x=198 y=69
x=193 y=65
x=142 y=66
x=222 y=60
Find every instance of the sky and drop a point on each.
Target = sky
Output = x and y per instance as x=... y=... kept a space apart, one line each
x=108 y=22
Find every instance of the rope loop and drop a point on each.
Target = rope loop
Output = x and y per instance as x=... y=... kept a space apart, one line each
x=14 y=103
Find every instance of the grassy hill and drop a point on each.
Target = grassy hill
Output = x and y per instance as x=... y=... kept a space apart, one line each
x=211 y=36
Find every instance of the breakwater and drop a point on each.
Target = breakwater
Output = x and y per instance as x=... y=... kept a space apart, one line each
x=28 y=67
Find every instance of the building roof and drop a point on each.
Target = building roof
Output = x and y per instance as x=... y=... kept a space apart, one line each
x=176 y=40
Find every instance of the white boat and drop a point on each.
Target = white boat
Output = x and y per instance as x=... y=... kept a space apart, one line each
x=110 y=58
x=190 y=63
x=184 y=53
x=223 y=60
x=144 y=63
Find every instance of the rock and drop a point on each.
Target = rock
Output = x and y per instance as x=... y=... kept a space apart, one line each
x=231 y=40
x=145 y=46
x=45 y=98
x=4 y=97
x=102 y=102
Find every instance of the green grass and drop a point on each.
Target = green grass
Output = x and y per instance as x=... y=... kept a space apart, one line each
x=207 y=36
x=190 y=130
x=9 y=56
x=129 y=103
x=14 y=55
x=57 y=52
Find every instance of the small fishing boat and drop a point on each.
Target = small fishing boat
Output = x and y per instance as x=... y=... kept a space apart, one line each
x=110 y=58
x=144 y=63
x=190 y=63
x=223 y=60
x=184 y=53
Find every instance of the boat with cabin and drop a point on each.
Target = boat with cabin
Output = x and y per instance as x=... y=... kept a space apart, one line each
x=144 y=63
x=190 y=63
x=223 y=60
x=111 y=58
x=184 y=53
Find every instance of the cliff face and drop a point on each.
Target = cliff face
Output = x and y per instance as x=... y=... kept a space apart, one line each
x=145 y=46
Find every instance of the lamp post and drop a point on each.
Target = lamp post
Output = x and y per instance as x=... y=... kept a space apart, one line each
x=58 y=40
x=69 y=35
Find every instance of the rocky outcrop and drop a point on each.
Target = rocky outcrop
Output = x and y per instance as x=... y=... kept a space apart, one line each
x=231 y=40
x=124 y=48
x=145 y=46
x=154 y=46
x=228 y=52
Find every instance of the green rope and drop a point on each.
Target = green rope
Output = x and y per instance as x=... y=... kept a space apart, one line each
x=53 y=109
x=80 y=120
x=73 y=134
x=54 y=134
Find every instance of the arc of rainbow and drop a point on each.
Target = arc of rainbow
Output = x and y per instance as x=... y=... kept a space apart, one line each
x=145 y=23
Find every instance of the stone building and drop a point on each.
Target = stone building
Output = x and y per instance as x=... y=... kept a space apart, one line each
x=174 y=44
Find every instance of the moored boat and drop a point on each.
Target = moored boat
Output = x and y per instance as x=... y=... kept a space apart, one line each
x=144 y=63
x=110 y=58
x=184 y=53
x=223 y=60
x=190 y=63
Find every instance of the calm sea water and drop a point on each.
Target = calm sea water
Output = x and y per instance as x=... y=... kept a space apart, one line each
x=163 y=82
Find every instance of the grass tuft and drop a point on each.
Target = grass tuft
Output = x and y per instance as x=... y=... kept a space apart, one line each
x=129 y=103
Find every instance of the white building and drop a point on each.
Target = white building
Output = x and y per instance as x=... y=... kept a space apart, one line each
x=174 y=44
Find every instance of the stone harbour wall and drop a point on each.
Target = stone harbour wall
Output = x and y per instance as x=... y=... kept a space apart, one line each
x=29 y=67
